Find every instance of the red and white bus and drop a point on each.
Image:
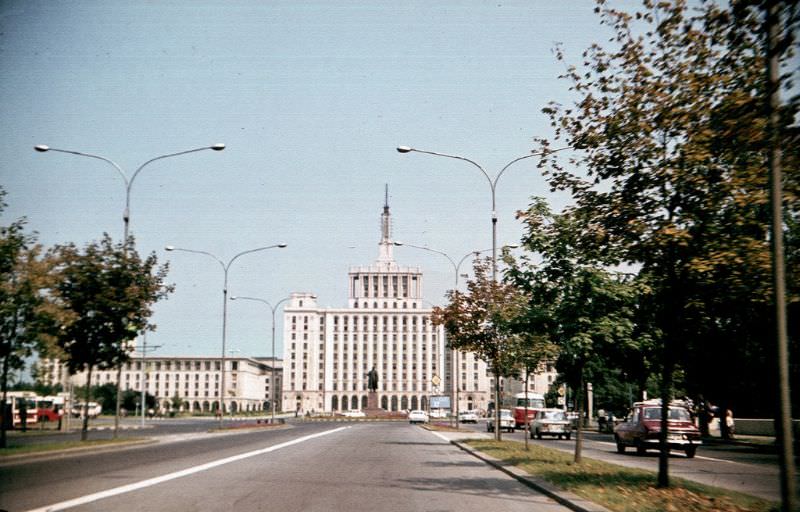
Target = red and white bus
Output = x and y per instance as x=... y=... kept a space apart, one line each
x=22 y=401
x=49 y=408
x=517 y=405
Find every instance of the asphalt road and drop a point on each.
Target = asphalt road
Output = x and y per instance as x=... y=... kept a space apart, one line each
x=303 y=467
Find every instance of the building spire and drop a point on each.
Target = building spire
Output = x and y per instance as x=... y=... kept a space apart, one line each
x=386 y=244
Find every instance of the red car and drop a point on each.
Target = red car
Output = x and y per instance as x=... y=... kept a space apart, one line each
x=643 y=425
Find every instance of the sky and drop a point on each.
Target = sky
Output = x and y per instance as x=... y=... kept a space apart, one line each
x=311 y=99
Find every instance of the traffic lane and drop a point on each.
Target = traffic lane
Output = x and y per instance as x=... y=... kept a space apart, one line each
x=362 y=467
x=29 y=484
x=103 y=429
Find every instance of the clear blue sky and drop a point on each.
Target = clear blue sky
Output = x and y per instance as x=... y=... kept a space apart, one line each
x=311 y=99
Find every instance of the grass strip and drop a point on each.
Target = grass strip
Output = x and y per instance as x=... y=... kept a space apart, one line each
x=63 y=445
x=619 y=488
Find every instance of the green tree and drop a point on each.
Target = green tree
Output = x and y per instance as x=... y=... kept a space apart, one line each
x=23 y=304
x=480 y=321
x=109 y=290
x=588 y=312
x=670 y=135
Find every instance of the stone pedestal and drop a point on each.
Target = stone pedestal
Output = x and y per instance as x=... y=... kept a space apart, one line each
x=372 y=405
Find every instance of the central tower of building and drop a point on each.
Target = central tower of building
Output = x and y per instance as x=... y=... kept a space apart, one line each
x=329 y=352
x=385 y=284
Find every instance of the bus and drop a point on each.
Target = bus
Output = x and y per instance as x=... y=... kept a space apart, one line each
x=517 y=405
x=20 y=401
x=49 y=408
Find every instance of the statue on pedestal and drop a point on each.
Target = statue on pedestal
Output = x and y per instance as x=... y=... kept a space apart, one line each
x=372 y=380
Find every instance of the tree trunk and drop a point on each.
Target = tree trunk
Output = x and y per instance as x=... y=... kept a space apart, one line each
x=666 y=398
x=3 y=403
x=527 y=423
x=118 y=400
x=497 y=405
x=88 y=394
x=579 y=394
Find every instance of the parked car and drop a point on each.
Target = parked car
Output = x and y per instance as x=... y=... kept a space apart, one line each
x=439 y=413
x=642 y=426
x=418 y=416
x=354 y=413
x=551 y=422
x=467 y=417
x=506 y=421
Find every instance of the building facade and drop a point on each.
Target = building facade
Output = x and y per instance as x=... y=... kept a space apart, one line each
x=328 y=352
x=188 y=384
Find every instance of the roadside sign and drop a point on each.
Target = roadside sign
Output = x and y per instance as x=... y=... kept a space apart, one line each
x=440 y=402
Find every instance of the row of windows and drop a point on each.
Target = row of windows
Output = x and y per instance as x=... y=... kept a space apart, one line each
x=385 y=305
x=365 y=321
x=178 y=365
x=379 y=285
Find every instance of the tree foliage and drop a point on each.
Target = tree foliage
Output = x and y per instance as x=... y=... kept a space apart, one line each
x=586 y=311
x=482 y=321
x=24 y=308
x=670 y=131
x=109 y=291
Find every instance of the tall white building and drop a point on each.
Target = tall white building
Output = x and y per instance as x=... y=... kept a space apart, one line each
x=328 y=351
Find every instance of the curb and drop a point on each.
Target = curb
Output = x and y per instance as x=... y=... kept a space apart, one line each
x=8 y=460
x=566 y=498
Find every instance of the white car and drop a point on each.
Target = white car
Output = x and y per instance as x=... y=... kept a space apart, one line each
x=418 y=416
x=506 y=421
x=94 y=409
x=467 y=417
x=354 y=413
x=551 y=422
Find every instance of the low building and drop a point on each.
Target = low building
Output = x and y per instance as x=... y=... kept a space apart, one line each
x=191 y=381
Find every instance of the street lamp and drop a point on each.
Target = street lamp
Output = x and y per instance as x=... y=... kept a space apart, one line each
x=126 y=214
x=128 y=181
x=225 y=268
x=492 y=186
x=273 y=309
x=456 y=268
x=145 y=348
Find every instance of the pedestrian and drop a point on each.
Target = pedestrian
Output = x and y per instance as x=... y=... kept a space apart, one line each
x=703 y=415
x=730 y=423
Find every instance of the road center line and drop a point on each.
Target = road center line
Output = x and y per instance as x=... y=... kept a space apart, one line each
x=178 y=474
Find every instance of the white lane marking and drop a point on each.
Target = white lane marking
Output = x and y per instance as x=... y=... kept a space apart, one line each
x=178 y=474
x=440 y=436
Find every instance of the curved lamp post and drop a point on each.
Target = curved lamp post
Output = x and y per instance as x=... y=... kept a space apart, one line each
x=273 y=309
x=456 y=268
x=492 y=186
x=225 y=268
x=126 y=214
x=128 y=181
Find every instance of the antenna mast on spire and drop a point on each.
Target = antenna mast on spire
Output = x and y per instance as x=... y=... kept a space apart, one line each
x=385 y=254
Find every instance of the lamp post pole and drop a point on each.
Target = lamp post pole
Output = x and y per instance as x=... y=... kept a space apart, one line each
x=225 y=268
x=145 y=348
x=456 y=268
x=493 y=188
x=273 y=309
x=126 y=216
